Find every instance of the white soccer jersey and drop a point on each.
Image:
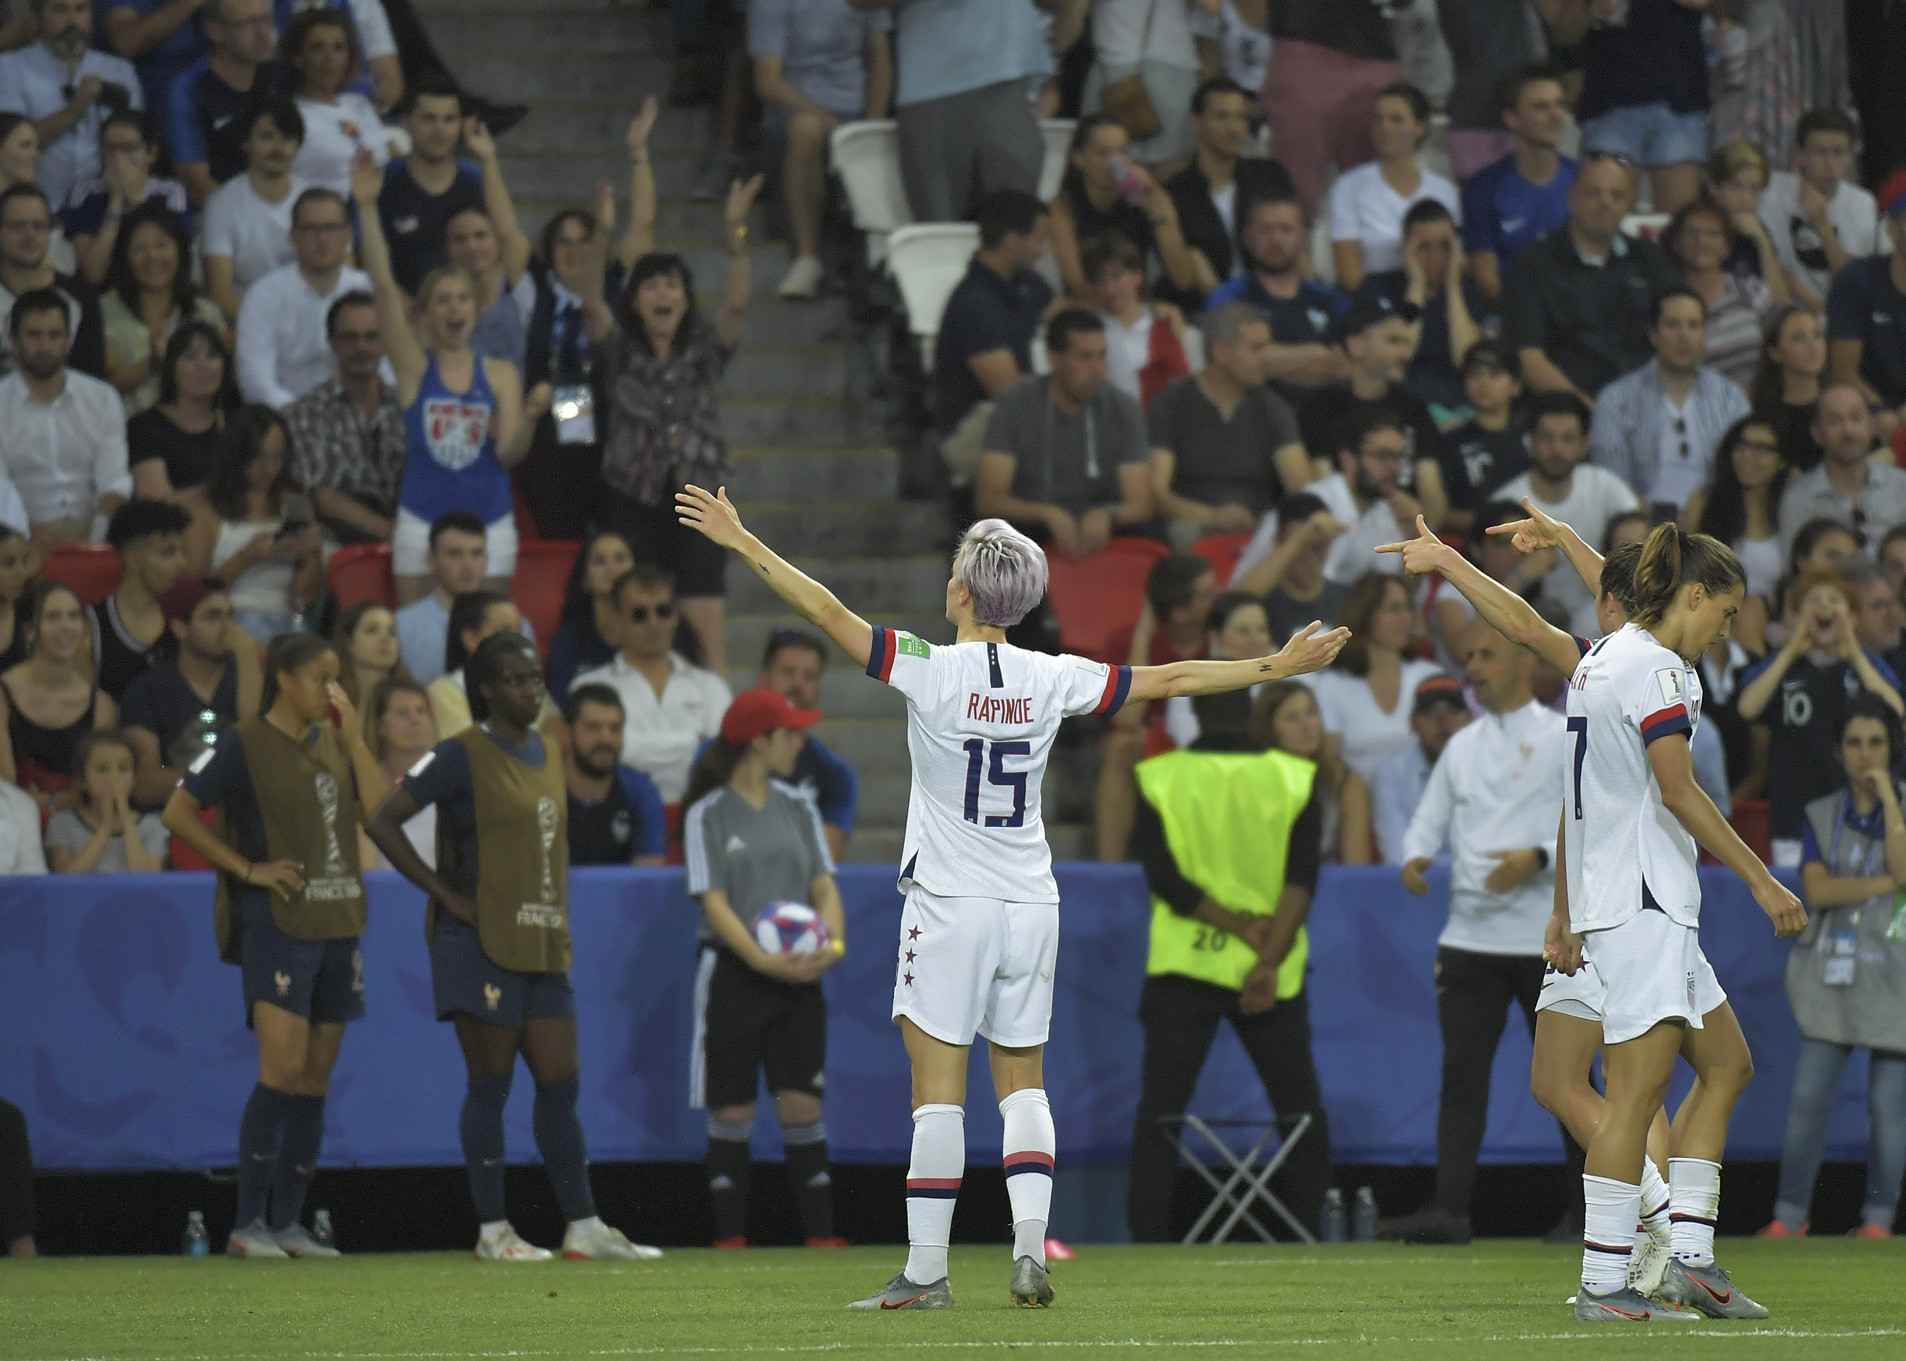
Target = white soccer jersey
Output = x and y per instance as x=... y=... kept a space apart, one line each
x=1626 y=851
x=980 y=722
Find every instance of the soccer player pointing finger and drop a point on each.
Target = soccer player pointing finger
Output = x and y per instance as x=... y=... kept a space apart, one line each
x=288 y=788
x=498 y=924
x=752 y=843
x=980 y=928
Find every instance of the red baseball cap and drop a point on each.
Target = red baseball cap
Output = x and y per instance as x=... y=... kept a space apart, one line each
x=756 y=713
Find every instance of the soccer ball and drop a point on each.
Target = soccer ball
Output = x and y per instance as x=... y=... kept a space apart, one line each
x=790 y=928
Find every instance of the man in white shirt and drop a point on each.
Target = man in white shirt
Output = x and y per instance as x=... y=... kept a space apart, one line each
x=247 y=228
x=283 y=348
x=67 y=88
x=671 y=705
x=1816 y=218
x=1439 y=711
x=1496 y=794
x=1364 y=497
x=62 y=434
x=1657 y=427
x=1562 y=485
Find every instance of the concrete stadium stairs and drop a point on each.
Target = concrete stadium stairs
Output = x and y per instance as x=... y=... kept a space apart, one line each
x=812 y=473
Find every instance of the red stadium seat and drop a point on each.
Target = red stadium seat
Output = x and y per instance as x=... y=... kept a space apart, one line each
x=183 y=856
x=1222 y=551
x=1098 y=596
x=92 y=569
x=542 y=575
x=1750 y=824
x=360 y=572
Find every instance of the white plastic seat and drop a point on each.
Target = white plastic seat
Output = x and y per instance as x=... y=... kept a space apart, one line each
x=928 y=260
x=866 y=156
x=1647 y=226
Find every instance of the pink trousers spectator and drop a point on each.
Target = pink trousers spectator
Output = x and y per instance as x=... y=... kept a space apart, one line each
x=1318 y=102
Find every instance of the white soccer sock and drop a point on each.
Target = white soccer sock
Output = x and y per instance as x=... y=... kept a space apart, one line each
x=1694 y=1190
x=1610 y=1211
x=1654 y=1197
x=494 y=1228
x=1028 y=1148
x=933 y=1185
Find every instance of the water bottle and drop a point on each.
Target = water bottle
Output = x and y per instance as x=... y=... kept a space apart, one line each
x=1363 y=1217
x=195 y=1242
x=321 y=1228
x=1334 y=1228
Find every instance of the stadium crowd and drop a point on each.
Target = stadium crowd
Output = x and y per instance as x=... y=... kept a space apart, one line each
x=1623 y=262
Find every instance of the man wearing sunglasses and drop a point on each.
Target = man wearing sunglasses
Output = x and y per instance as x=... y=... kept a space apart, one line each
x=1657 y=428
x=670 y=705
x=1577 y=304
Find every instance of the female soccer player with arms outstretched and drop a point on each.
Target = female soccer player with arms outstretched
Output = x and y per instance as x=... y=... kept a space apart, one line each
x=980 y=930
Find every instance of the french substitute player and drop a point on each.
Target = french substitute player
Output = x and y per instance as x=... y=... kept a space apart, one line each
x=498 y=926
x=290 y=909
x=980 y=927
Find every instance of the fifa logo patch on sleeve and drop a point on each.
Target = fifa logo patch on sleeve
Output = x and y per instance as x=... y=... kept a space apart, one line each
x=908 y=645
x=1672 y=691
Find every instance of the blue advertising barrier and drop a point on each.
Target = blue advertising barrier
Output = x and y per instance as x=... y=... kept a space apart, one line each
x=125 y=1042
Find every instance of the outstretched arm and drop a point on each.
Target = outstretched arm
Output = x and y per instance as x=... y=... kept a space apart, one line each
x=1309 y=649
x=714 y=515
x=1505 y=611
x=1541 y=531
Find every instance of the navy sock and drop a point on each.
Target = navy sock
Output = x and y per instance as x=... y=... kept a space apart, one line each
x=297 y=1159
x=559 y=1136
x=482 y=1129
x=808 y=1171
x=259 y=1133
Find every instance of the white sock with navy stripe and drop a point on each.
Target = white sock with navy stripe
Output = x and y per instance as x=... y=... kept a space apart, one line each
x=933 y=1185
x=1609 y=1212
x=1694 y=1190
x=1654 y=1198
x=1028 y=1147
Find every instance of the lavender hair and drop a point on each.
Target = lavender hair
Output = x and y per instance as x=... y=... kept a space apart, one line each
x=1004 y=570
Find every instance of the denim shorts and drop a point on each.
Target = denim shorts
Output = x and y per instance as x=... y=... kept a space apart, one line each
x=1651 y=135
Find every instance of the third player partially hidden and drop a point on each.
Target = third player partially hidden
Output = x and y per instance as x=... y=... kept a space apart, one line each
x=980 y=928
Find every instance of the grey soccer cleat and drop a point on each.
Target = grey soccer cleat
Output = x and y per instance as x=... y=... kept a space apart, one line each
x=253 y=1240
x=1032 y=1287
x=902 y=1293
x=1625 y=1306
x=297 y=1242
x=1708 y=1289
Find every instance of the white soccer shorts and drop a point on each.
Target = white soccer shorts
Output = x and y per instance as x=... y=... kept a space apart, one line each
x=1579 y=994
x=981 y=966
x=1652 y=970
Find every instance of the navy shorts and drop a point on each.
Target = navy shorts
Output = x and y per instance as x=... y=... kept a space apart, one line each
x=748 y=1024
x=464 y=978
x=320 y=980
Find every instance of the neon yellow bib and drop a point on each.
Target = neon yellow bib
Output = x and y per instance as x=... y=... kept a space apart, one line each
x=1227 y=820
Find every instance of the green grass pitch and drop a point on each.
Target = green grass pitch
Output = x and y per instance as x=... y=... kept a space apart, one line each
x=1829 y=1298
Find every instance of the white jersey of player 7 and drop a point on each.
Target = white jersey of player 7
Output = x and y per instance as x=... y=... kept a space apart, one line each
x=980 y=722
x=1626 y=851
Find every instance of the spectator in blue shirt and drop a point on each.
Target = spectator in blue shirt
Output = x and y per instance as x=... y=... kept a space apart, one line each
x=1303 y=313
x=792 y=667
x=203 y=120
x=159 y=37
x=1437 y=714
x=985 y=340
x=1866 y=316
x=1506 y=206
x=616 y=816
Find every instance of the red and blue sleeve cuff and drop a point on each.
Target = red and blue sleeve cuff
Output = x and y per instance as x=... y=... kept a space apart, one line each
x=1582 y=646
x=1665 y=723
x=880 y=656
x=1118 y=684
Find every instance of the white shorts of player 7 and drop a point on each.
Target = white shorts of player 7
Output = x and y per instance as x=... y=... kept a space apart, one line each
x=977 y=966
x=1647 y=970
